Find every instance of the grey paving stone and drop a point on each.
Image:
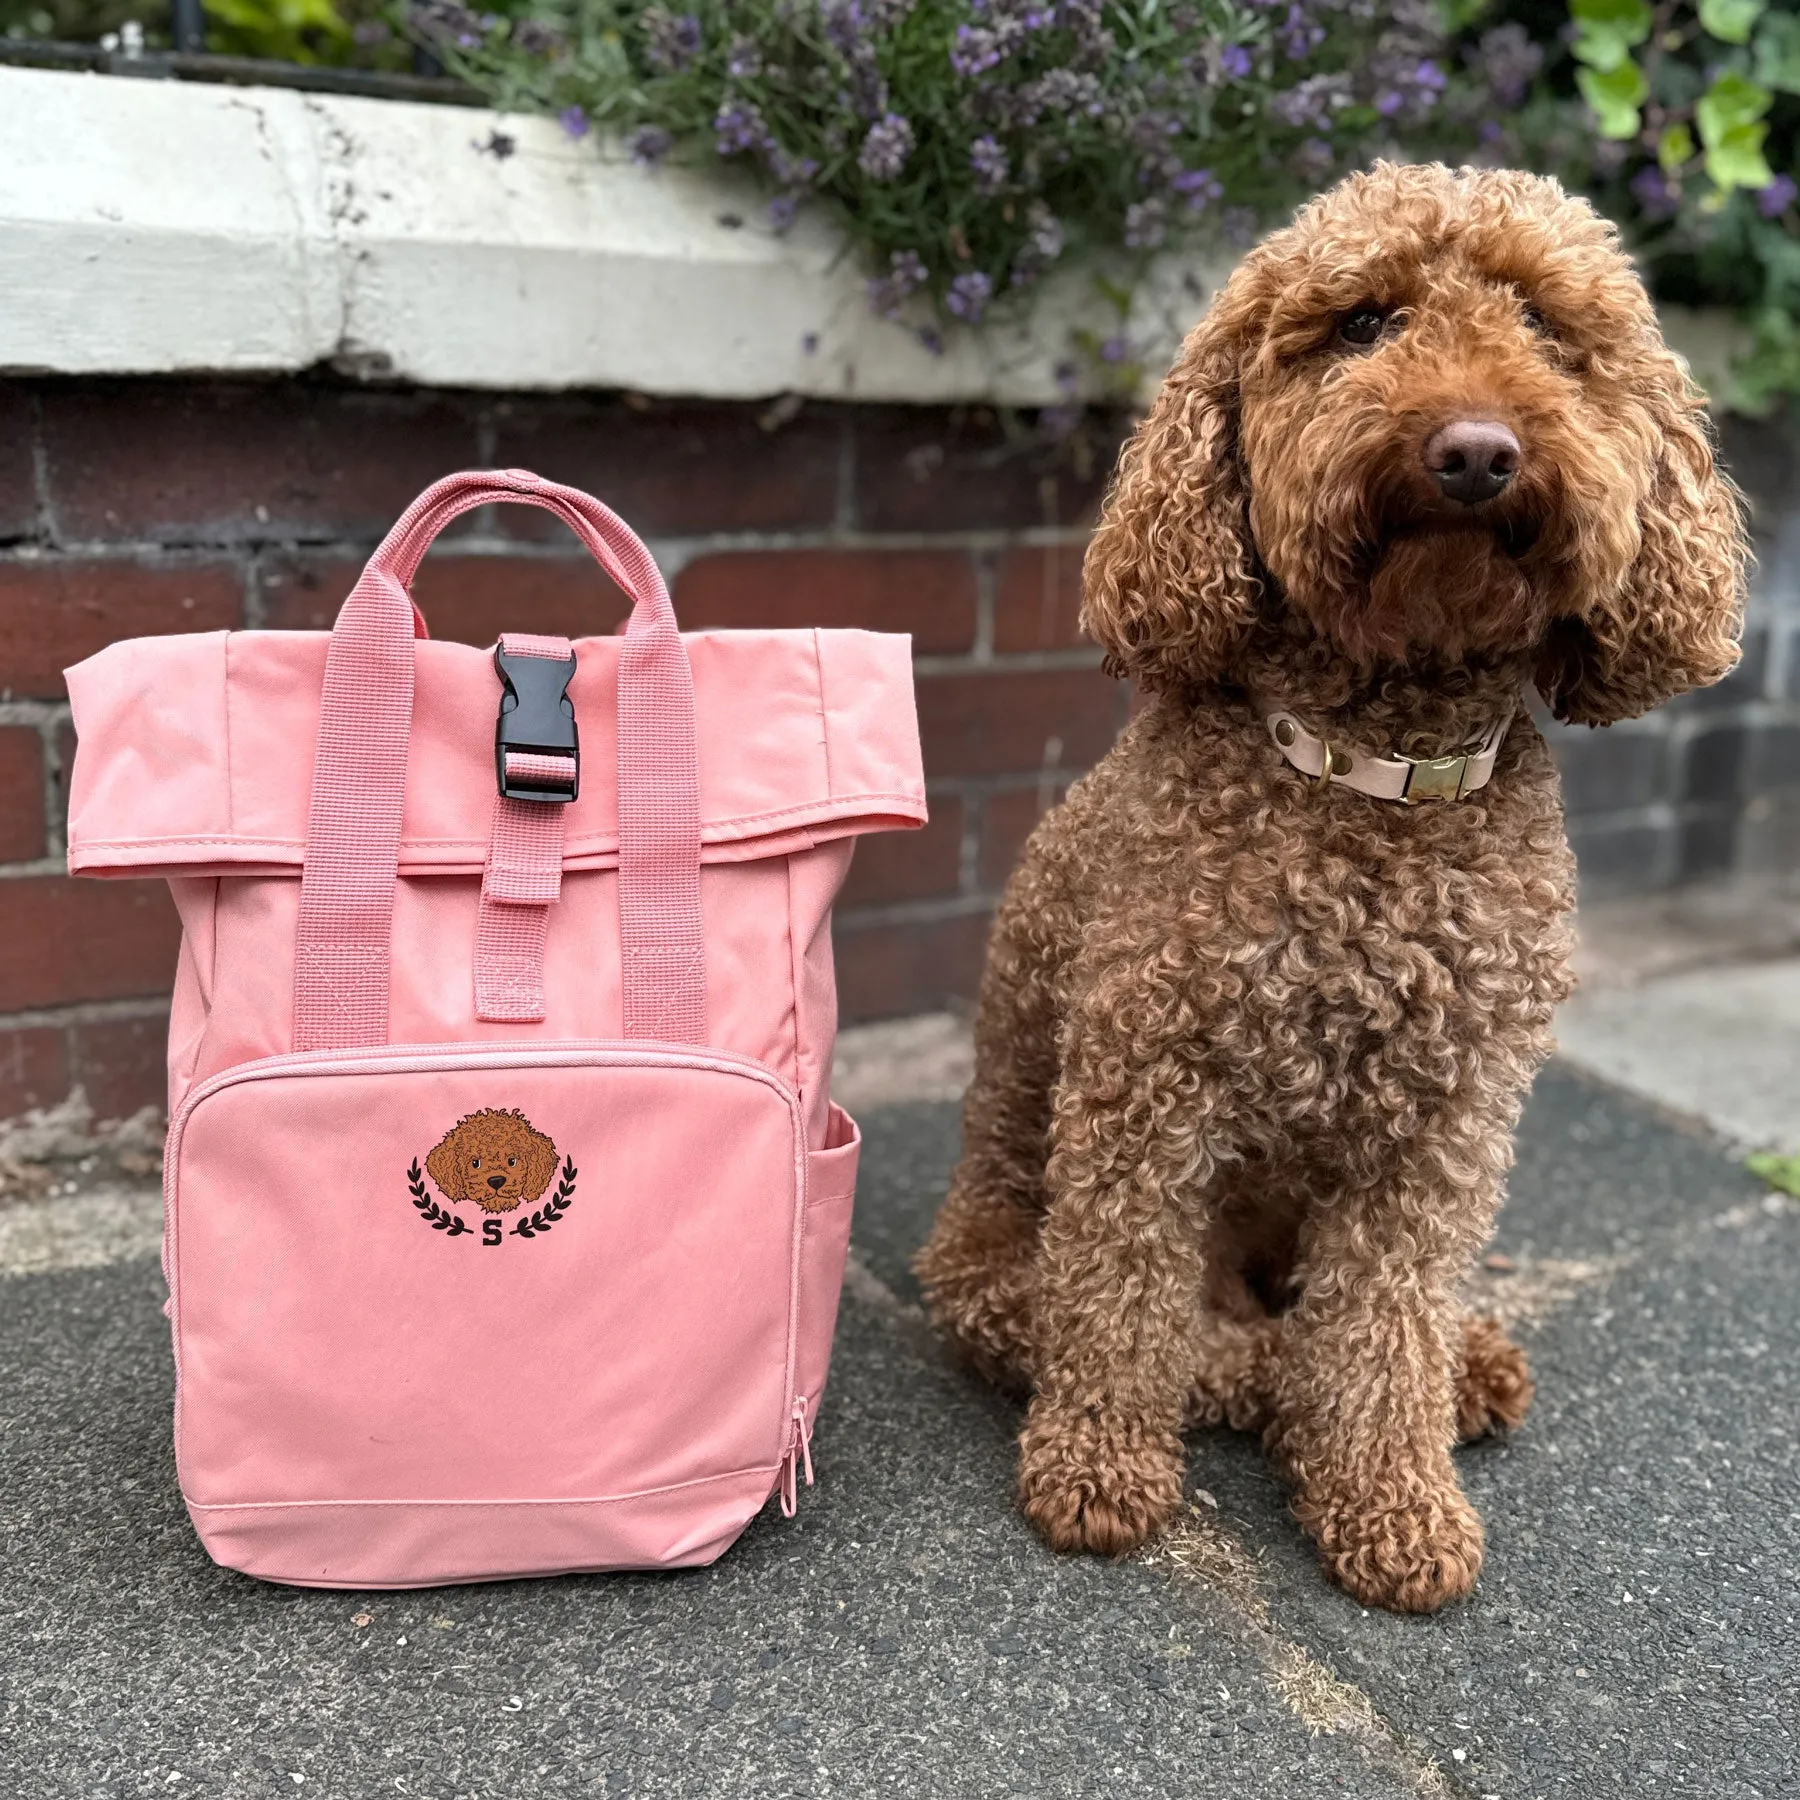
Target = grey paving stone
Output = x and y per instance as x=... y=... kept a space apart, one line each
x=1661 y=1460
x=905 y=1635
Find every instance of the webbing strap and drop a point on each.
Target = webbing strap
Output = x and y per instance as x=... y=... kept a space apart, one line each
x=343 y=956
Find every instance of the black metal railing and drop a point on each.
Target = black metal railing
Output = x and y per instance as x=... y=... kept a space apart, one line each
x=187 y=59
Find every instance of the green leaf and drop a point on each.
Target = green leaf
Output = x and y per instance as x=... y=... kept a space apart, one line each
x=1732 y=101
x=1730 y=20
x=1615 y=95
x=1781 y=1172
x=1736 y=159
x=1609 y=30
x=1778 y=52
x=1674 y=148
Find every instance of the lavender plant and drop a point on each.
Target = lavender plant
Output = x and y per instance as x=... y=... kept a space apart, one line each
x=971 y=146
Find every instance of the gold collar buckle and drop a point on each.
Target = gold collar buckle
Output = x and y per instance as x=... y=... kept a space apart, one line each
x=1440 y=778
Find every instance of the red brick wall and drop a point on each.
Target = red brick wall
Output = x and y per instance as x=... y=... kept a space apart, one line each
x=135 y=507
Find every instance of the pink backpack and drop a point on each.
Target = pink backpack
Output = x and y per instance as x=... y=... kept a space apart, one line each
x=507 y=1205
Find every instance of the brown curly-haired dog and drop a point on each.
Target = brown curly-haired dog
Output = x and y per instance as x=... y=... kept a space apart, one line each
x=1250 y=1049
x=495 y=1159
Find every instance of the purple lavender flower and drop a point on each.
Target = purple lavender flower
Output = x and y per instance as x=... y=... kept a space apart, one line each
x=906 y=275
x=932 y=339
x=1047 y=235
x=1060 y=91
x=534 y=37
x=574 y=121
x=1146 y=224
x=1199 y=187
x=1313 y=159
x=976 y=50
x=1772 y=201
x=738 y=126
x=783 y=210
x=969 y=295
x=1301 y=34
x=648 y=145
x=1508 y=62
x=1650 y=188
x=988 y=161
x=790 y=171
x=744 y=60
x=1310 y=103
x=844 y=27
x=1115 y=349
x=1235 y=62
x=1240 y=226
x=674 y=39
x=886 y=148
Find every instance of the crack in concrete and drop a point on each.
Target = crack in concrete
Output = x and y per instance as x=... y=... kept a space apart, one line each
x=1198 y=1548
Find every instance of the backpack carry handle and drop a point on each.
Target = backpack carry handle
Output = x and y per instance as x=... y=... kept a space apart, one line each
x=343 y=955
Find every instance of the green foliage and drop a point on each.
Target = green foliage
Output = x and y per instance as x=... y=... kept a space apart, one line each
x=1780 y=1172
x=1609 y=30
x=1680 y=121
x=297 y=31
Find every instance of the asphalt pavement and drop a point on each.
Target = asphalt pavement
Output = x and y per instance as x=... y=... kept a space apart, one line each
x=1634 y=1631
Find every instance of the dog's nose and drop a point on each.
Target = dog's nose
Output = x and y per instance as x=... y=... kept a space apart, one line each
x=1473 y=459
x=496 y=1181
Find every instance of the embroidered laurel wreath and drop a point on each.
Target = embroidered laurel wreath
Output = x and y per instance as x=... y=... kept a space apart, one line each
x=529 y=1226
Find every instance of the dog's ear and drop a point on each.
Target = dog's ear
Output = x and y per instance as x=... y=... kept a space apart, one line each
x=447 y=1165
x=1170 y=584
x=1674 y=622
x=540 y=1163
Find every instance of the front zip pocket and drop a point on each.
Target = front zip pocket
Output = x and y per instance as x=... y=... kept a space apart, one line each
x=485 y=1276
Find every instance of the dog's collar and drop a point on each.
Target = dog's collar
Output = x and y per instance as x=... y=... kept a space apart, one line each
x=1408 y=778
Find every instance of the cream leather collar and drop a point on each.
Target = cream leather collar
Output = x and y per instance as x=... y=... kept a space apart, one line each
x=1407 y=778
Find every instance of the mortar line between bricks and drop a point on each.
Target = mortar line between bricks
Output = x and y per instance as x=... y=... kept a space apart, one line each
x=86 y=1012
x=686 y=546
x=917 y=912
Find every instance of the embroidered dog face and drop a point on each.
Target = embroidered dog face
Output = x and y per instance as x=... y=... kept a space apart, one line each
x=497 y=1159
x=1433 y=418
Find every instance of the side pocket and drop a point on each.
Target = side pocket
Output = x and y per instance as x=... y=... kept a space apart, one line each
x=830 y=1191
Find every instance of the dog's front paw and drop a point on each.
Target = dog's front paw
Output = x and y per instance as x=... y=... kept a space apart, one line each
x=1494 y=1387
x=1087 y=1483
x=1412 y=1556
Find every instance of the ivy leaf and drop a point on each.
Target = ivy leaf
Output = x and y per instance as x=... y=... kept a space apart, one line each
x=1608 y=31
x=1615 y=95
x=1737 y=160
x=1674 y=148
x=1731 y=101
x=1778 y=52
x=1730 y=20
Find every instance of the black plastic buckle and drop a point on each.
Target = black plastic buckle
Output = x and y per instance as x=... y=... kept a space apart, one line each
x=536 y=717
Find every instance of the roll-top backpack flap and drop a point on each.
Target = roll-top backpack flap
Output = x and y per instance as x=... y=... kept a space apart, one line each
x=507 y=1206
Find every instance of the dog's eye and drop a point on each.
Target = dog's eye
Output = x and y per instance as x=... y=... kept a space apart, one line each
x=512 y=1162
x=1535 y=321
x=475 y=1162
x=1362 y=325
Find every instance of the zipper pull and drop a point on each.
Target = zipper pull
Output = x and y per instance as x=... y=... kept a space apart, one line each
x=799 y=1450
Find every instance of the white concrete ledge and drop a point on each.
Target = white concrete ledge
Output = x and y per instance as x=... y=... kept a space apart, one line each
x=160 y=227
x=151 y=227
